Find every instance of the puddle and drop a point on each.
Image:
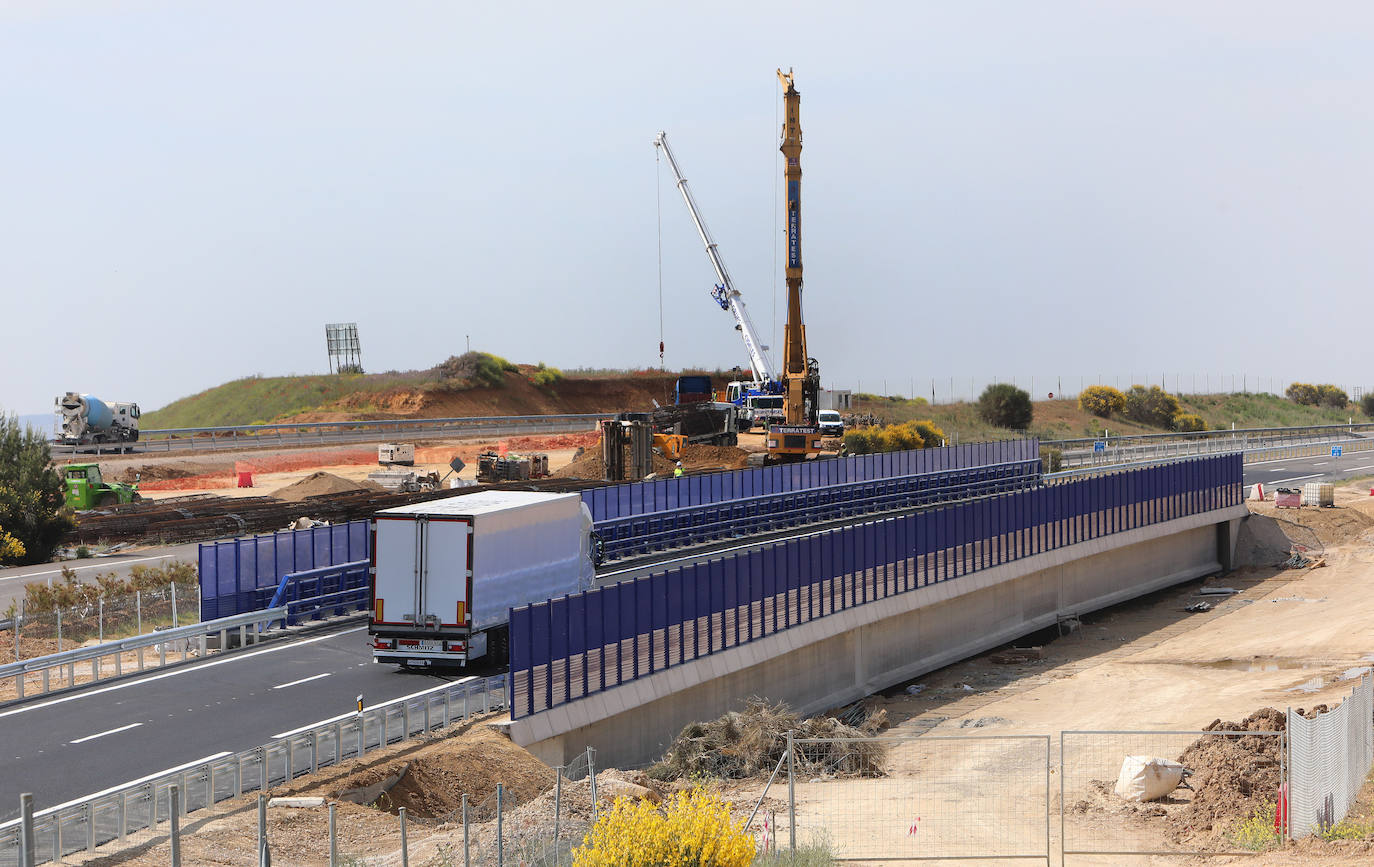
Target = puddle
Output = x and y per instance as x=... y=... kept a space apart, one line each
x=1353 y=673
x=1311 y=686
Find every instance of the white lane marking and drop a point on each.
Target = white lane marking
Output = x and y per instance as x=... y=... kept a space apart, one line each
x=92 y=566
x=1296 y=479
x=302 y=680
x=1321 y=463
x=84 y=798
x=102 y=734
x=233 y=657
x=353 y=713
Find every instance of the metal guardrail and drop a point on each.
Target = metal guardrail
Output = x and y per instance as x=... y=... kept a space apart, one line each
x=309 y=594
x=85 y=824
x=1244 y=433
x=1251 y=455
x=66 y=661
x=692 y=525
x=233 y=436
x=1117 y=450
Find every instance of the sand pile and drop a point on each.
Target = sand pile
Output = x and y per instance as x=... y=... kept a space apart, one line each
x=320 y=483
x=714 y=457
x=590 y=466
x=750 y=742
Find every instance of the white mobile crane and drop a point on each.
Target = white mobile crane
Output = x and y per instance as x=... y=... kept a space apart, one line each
x=763 y=385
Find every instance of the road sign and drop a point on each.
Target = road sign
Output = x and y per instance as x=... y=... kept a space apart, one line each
x=1099 y=446
x=457 y=465
x=1335 y=451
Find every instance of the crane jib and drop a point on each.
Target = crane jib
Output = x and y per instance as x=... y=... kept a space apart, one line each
x=793 y=224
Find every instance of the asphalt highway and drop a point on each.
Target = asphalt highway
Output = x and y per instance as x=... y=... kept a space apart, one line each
x=69 y=746
x=1294 y=472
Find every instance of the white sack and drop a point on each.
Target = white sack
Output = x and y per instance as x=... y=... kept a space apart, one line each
x=1144 y=778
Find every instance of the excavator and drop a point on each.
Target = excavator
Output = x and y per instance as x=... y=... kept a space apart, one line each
x=799 y=435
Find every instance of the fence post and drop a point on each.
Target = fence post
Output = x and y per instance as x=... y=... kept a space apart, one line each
x=59 y=634
x=174 y=604
x=27 y=855
x=500 y=850
x=138 y=619
x=591 y=772
x=333 y=837
x=174 y=793
x=264 y=852
x=467 y=859
x=100 y=618
x=405 y=848
x=17 y=625
x=557 y=809
x=791 y=798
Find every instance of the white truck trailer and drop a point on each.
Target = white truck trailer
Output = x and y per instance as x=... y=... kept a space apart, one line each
x=446 y=573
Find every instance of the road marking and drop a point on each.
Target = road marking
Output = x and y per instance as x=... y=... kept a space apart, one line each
x=353 y=713
x=233 y=657
x=1321 y=463
x=1295 y=479
x=102 y=734
x=302 y=680
x=130 y=784
x=92 y=566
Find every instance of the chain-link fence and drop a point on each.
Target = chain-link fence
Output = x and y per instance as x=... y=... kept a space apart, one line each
x=38 y=631
x=935 y=798
x=1329 y=755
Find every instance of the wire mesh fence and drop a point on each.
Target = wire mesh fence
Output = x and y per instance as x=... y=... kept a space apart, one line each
x=939 y=798
x=36 y=631
x=1170 y=792
x=1329 y=755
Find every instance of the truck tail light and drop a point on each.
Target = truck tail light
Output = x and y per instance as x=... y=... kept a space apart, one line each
x=407 y=642
x=453 y=645
x=382 y=644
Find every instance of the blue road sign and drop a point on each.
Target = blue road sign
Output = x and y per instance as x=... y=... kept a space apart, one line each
x=1335 y=451
x=1099 y=446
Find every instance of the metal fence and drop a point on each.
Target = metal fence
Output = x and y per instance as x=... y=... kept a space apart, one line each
x=939 y=798
x=241 y=575
x=692 y=525
x=1329 y=757
x=106 y=616
x=639 y=498
x=570 y=647
x=112 y=815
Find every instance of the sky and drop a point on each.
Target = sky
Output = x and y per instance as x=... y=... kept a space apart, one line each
x=1056 y=190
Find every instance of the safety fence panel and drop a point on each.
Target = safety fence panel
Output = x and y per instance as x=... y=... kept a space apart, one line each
x=1330 y=756
x=928 y=798
x=1128 y=793
x=638 y=498
x=569 y=647
x=241 y=575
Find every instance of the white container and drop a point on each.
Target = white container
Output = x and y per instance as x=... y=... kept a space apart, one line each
x=396 y=453
x=1318 y=494
x=446 y=573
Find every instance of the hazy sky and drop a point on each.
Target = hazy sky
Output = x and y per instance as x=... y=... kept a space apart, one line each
x=192 y=190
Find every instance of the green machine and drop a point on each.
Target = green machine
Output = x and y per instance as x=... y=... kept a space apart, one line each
x=87 y=490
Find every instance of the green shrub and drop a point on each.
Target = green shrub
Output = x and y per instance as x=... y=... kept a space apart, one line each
x=1257 y=832
x=894 y=438
x=1332 y=396
x=475 y=368
x=900 y=438
x=32 y=515
x=545 y=376
x=1102 y=401
x=1052 y=458
x=864 y=441
x=931 y=436
x=1188 y=421
x=1153 y=406
x=1367 y=404
x=1004 y=405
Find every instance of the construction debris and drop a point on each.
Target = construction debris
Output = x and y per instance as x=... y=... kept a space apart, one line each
x=750 y=743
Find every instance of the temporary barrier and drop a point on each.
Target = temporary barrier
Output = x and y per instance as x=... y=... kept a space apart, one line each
x=242 y=575
x=569 y=647
x=638 y=498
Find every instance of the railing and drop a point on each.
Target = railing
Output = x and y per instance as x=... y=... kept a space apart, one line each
x=179 y=639
x=330 y=590
x=573 y=646
x=1254 y=442
x=693 y=525
x=86 y=824
x=241 y=575
x=235 y=436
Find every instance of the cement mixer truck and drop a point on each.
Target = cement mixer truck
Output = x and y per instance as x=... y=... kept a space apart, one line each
x=84 y=419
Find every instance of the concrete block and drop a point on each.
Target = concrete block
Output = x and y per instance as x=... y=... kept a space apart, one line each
x=539 y=727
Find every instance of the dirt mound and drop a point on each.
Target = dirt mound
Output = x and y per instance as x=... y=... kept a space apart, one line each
x=750 y=742
x=320 y=483
x=590 y=466
x=432 y=785
x=1261 y=542
x=1232 y=776
x=714 y=457
x=166 y=471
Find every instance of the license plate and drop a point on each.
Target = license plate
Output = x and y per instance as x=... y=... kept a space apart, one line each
x=428 y=646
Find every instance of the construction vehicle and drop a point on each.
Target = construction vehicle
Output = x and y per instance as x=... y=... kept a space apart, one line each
x=496 y=467
x=446 y=574
x=84 y=419
x=85 y=489
x=798 y=435
x=728 y=297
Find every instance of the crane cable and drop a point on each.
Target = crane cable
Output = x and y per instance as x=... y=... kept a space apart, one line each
x=774 y=227
x=658 y=200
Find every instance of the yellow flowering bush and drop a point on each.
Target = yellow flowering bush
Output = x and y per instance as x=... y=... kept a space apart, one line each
x=694 y=829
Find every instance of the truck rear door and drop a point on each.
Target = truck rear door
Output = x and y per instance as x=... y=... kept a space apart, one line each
x=448 y=571
x=396 y=563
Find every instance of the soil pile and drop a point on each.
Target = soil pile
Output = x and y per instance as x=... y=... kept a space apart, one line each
x=431 y=786
x=714 y=457
x=320 y=483
x=695 y=458
x=750 y=742
x=590 y=466
x=1232 y=775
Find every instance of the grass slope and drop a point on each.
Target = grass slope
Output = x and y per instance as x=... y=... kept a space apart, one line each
x=1062 y=419
x=266 y=398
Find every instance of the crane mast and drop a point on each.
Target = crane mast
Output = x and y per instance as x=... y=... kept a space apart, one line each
x=725 y=293
x=798 y=436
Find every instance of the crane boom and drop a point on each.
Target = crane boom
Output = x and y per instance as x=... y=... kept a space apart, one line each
x=725 y=293
x=798 y=436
